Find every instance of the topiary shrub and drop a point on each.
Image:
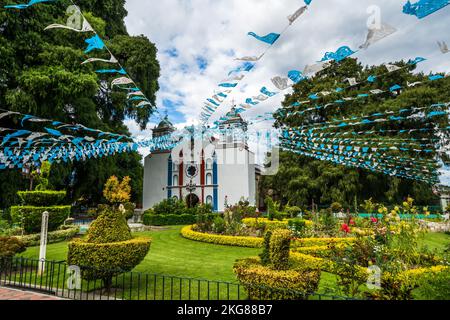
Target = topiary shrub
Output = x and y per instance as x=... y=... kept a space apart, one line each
x=42 y=198
x=265 y=254
x=279 y=247
x=30 y=217
x=108 y=249
x=264 y=283
x=110 y=226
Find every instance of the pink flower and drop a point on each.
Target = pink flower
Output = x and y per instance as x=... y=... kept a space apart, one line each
x=352 y=222
x=374 y=220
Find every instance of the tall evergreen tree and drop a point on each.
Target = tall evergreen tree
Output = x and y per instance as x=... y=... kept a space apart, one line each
x=41 y=74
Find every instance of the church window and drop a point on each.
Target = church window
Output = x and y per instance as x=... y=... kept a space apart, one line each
x=209 y=200
x=208 y=178
x=175 y=180
x=209 y=164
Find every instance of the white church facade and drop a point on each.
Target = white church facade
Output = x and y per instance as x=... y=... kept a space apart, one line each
x=223 y=173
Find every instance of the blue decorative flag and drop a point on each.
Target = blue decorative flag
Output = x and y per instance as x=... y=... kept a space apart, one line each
x=136 y=98
x=371 y=78
x=340 y=54
x=435 y=77
x=267 y=92
x=424 y=8
x=296 y=76
x=308 y=2
x=213 y=102
x=94 y=43
x=250 y=101
x=245 y=67
x=313 y=96
x=394 y=88
x=121 y=71
x=228 y=85
x=339 y=90
x=13 y=135
x=416 y=60
x=270 y=38
x=53 y=132
x=24 y=6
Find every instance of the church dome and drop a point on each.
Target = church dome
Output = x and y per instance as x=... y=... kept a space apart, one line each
x=165 y=124
x=163 y=128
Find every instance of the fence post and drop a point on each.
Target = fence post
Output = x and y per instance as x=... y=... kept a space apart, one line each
x=43 y=247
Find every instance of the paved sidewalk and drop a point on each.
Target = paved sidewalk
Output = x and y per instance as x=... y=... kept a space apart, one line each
x=14 y=294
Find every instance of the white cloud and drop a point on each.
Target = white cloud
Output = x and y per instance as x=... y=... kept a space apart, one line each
x=212 y=29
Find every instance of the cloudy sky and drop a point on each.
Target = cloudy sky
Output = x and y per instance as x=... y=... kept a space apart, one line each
x=197 y=42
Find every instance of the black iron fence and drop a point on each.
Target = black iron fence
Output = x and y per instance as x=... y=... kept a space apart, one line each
x=85 y=283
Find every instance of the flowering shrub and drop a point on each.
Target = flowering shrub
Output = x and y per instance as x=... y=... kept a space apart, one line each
x=116 y=191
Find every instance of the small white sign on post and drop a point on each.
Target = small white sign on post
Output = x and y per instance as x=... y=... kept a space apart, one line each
x=43 y=247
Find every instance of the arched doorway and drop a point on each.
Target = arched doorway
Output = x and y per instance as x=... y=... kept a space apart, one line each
x=192 y=200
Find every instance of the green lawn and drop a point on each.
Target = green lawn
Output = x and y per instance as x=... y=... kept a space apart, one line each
x=171 y=254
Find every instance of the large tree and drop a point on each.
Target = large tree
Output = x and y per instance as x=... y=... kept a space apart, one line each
x=41 y=74
x=302 y=180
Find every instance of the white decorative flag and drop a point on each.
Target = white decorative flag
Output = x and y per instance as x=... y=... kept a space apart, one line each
x=297 y=14
x=111 y=60
x=313 y=69
x=392 y=67
x=413 y=84
x=375 y=35
x=376 y=91
x=280 y=83
x=443 y=47
x=121 y=81
x=75 y=22
x=251 y=58
x=352 y=81
x=261 y=97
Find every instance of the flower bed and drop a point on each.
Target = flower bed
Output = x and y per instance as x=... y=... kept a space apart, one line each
x=251 y=242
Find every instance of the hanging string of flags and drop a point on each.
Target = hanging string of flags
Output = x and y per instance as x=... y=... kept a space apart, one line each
x=249 y=62
x=77 y=22
x=376 y=32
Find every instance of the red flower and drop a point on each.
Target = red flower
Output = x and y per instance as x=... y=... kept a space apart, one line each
x=352 y=222
x=374 y=220
x=345 y=228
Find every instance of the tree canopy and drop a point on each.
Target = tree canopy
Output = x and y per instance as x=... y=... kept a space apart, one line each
x=301 y=179
x=41 y=74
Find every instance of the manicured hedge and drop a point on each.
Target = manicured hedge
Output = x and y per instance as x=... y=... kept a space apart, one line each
x=251 y=242
x=105 y=260
x=42 y=198
x=169 y=219
x=309 y=242
x=265 y=283
x=52 y=237
x=32 y=217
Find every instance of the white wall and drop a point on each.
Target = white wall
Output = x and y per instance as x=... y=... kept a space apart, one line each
x=236 y=176
x=155 y=179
